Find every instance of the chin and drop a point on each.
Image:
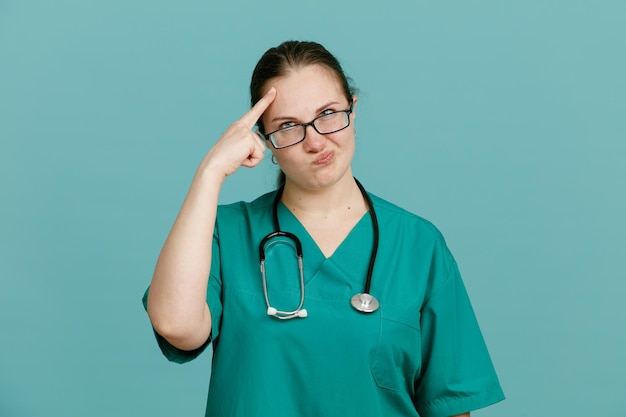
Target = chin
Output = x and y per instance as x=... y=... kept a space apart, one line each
x=326 y=180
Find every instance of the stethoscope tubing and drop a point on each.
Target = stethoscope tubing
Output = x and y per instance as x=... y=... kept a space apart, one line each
x=363 y=302
x=280 y=314
x=370 y=268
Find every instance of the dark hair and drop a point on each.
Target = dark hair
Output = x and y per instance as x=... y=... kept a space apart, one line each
x=288 y=56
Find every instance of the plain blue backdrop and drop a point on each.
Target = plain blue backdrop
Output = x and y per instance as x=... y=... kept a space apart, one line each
x=502 y=122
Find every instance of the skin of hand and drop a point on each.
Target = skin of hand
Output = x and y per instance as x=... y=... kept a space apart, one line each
x=176 y=301
x=239 y=145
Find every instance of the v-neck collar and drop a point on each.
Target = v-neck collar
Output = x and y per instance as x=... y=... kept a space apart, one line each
x=351 y=256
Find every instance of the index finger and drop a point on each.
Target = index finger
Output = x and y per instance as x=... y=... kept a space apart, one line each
x=252 y=115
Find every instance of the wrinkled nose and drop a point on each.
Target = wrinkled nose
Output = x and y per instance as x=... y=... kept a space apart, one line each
x=313 y=142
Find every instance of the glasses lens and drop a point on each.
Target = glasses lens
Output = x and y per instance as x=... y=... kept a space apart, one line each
x=332 y=122
x=288 y=136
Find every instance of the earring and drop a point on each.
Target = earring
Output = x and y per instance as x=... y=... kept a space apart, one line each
x=274 y=161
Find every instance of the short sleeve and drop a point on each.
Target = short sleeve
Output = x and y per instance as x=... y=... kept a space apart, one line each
x=214 y=301
x=457 y=373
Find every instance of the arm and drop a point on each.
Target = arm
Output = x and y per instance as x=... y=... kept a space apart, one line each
x=177 y=299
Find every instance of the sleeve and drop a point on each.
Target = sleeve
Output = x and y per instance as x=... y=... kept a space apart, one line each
x=214 y=301
x=457 y=373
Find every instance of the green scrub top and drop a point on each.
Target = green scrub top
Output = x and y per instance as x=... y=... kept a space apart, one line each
x=420 y=354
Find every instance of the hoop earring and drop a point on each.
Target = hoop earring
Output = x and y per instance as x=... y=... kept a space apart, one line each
x=274 y=161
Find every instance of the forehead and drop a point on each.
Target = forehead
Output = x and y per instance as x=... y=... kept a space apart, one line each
x=303 y=90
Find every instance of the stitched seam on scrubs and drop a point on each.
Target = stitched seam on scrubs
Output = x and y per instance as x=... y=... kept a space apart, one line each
x=398 y=321
x=443 y=284
x=482 y=399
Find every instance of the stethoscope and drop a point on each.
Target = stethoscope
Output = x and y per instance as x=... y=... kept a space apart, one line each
x=363 y=302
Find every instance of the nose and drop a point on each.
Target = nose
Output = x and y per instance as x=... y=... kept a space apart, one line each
x=313 y=141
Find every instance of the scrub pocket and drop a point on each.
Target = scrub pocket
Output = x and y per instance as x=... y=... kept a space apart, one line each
x=397 y=359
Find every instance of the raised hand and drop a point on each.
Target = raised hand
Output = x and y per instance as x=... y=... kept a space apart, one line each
x=239 y=145
x=177 y=298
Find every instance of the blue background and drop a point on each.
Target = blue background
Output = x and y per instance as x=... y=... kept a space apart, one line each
x=502 y=122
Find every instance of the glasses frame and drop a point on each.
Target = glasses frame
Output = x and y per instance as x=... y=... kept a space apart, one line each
x=348 y=112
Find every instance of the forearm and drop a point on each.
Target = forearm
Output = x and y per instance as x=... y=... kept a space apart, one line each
x=177 y=298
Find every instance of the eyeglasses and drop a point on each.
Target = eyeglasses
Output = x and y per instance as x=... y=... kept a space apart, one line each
x=325 y=124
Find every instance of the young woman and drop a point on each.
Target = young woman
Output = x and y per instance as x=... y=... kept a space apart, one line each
x=371 y=320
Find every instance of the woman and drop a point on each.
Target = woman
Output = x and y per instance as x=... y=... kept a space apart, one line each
x=413 y=349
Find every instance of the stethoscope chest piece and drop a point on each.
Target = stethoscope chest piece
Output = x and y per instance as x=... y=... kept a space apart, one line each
x=364 y=302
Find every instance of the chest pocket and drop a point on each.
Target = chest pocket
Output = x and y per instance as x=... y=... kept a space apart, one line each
x=397 y=359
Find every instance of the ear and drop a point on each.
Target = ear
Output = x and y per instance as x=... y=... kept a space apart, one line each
x=355 y=99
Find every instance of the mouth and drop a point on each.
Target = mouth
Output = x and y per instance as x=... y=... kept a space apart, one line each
x=324 y=158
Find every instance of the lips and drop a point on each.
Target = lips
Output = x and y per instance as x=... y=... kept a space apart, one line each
x=324 y=158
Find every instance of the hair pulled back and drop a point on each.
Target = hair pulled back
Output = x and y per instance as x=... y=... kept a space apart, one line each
x=288 y=56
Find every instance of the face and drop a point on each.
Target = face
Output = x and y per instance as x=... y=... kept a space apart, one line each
x=302 y=95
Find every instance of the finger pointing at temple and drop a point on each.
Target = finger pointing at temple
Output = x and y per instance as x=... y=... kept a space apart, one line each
x=255 y=113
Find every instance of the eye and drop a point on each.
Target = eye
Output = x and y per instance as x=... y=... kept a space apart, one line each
x=327 y=112
x=286 y=125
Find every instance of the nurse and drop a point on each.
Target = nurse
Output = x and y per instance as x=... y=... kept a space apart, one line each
x=418 y=353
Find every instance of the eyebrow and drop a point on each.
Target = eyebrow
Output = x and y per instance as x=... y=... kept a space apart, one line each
x=319 y=110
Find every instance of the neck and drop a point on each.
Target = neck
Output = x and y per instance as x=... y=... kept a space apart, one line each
x=339 y=197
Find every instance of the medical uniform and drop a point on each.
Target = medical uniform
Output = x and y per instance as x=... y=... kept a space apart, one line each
x=420 y=354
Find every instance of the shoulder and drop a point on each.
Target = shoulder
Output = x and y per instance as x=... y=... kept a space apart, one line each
x=412 y=243
x=245 y=218
x=391 y=215
x=245 y=208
